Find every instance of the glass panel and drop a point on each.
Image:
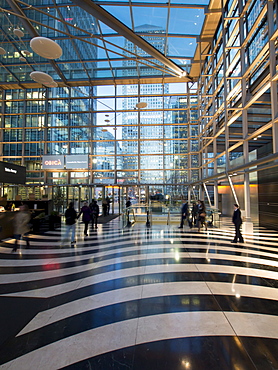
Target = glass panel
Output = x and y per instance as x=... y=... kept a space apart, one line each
x=148 y=20
x=152 y=177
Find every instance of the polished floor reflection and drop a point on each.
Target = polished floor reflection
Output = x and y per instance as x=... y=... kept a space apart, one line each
x=140 y=298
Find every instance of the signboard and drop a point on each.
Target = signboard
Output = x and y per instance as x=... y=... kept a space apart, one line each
x=52 y=162
x=12 y=173
x=74 y=162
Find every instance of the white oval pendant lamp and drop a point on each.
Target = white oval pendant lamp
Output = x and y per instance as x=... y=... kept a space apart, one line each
x=41 y=77
x=26 y=52
x=46 y=47
x=18 y=32
x=2 y=51
x=52 y=84
x=141 y=105
x=22 y=59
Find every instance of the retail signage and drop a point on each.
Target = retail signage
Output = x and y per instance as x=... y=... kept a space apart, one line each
x=74 y=162
x=53 y=162
x=12 y=173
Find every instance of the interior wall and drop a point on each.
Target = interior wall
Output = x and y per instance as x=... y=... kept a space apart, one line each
x=268 y=198
x=227 y=201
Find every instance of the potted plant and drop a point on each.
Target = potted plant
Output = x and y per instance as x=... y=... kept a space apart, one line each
x=54 y=220
x=37 y=222
x=58 y=199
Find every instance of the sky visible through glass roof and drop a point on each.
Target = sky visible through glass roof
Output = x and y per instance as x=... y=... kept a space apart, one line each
x=91 y=48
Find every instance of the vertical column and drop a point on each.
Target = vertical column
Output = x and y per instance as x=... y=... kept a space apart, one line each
x=139 y=135
x=247 y=224
x=91 y=137
x=23 y=132
x=272 y=69
x=2 y=124
x=199 y=92
x=45 y=132
x=115 y=136
x=227 y=163
x=216 y=197
x=214 y=146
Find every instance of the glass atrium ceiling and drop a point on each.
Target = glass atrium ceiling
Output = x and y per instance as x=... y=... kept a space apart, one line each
x=102 y=41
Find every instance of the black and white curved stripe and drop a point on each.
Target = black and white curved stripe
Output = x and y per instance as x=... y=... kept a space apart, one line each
x=141 y=299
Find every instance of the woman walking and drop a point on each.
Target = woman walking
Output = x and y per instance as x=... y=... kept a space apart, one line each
x=86 y=218
x=201 y=215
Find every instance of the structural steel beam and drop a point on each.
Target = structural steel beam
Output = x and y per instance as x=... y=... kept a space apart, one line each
x=33 y=33
x=107 y=18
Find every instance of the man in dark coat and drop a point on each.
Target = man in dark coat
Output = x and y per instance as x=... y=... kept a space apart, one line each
x=94 y=213
x=71 y=216
x=184 y=213
x=237 y=222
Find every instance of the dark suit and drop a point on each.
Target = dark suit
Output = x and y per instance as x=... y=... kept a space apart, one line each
x=184 y=213
x=237 y=222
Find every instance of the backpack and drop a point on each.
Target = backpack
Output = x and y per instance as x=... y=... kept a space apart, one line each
x=95 y=209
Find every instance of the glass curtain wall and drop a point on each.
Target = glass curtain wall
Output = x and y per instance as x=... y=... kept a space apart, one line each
x=238 y=100
x=126 y=145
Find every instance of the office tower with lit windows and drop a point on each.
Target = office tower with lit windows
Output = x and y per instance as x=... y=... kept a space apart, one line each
x=145 y=146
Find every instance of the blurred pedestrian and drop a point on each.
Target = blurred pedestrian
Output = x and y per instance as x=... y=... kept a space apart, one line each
x=194 y=213
x=21 y=226
x=104 y=207
x=184 y=213
x=71 y=216
x=86 y=216
x=108 y=201
x=128 y=203
x=94 y=213
x=202 y=215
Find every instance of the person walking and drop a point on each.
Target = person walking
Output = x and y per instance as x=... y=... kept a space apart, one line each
x=194 y=213
x=108 y=201
x=184 y=213
x=86 y=216
x=201 y=215
x=128 y=203
x=21 y=226
x=94 y=213
x=237 y=221
x=104 y=207
x=71 y=216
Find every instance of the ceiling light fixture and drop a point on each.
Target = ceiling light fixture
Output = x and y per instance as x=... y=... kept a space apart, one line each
x=2 y=51
x=46 y=47
x=141 y=105
x=52 y=84
x=18 y=32
x=41 y=77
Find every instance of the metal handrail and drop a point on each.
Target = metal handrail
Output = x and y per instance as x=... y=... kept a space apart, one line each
x=169 y=211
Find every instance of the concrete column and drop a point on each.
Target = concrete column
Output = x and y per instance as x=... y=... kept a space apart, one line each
x=216 y=198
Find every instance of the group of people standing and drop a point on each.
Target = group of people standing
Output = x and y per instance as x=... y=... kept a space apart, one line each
x=198 y=218
x=89 y=213
x=198 y=214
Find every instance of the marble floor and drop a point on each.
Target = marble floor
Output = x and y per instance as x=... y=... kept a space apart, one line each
x=140 y=298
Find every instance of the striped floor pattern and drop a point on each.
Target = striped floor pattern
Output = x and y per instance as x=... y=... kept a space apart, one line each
x=140 y=298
